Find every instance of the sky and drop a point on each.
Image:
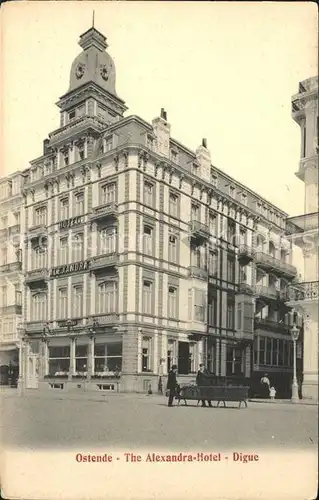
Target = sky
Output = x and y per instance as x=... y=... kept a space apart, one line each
x=223 y=71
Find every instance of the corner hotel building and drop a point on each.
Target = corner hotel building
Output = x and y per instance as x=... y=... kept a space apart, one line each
x=138 y=253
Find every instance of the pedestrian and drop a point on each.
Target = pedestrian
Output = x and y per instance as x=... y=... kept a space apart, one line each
x=265 y=385
x=272 y=392
x=202 y=379
x=172 y=385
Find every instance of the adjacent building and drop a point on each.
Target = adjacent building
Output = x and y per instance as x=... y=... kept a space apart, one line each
x=11 y=279
x=138 y=253
x=304 y=230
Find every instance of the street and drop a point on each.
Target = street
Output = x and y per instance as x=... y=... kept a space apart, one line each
x=67 y=421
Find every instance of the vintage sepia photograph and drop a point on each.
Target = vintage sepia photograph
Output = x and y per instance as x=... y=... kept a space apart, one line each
x=159 y=250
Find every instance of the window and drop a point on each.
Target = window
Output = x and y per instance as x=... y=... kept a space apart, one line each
x=147 y=297
x=230 y=312
x=64 y=208
x=244 y=199
x=63 y=251
x=108 y=144
x=77 y=301
x=231 y=231
x=262 y=350
x=212 y=222
x=108 y=193
x=65 y=158
x=171 y=354
x=79 y=204
x=18 y=295
x=272 y=249
x=39 y=258
x=195 y=169
x=212 y=308
x=4 y=222
x=81 y=152
x=172 y=248
x=195 y=256
x=59 y=360
x=146 y=354
x=108 y=359
x=81 y=353
x=148 y=240
x=230 y=269
x=199 y=305
x=72 y=115
x=213 y=179
x=16 y=218
x=232 y=191
x=148 y=193
x=150 y=142
x=78 y=247
x=107 y=241
x=107 y=297
x=39 y=307
x=172 y=302
x=195 y=213
x=213 y=264
x=173 y=205
x=41 y=216
x=174 y=156
x=3 y=297
x=4 y=256
x=63 y=303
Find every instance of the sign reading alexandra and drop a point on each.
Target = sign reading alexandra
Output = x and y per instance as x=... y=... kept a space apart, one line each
x=68 y=323
x=74 y=221
x=83 y=265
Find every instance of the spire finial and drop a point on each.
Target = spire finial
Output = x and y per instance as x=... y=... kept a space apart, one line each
x=93 y=19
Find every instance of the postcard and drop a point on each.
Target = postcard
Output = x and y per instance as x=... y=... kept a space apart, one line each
x=158 y=241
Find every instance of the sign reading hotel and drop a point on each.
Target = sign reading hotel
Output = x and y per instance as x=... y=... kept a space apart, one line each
x=70 y=268
x=68 y=223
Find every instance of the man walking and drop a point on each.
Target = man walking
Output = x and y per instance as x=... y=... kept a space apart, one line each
x=202 y=379
x=172 y=385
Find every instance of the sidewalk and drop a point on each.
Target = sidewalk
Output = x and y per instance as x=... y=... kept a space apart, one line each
x=284 y=401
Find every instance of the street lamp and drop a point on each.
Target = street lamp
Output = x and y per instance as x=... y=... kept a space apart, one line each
x=22 y=344
x=294 y=321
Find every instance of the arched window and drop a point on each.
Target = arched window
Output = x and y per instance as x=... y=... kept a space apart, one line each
x=283 y=255
x=107 y=297
x=39 y=307
x=107 y=240
x=272 y=249
x=259 y=243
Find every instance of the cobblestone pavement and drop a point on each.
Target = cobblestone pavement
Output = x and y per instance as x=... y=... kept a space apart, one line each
x=75 y=421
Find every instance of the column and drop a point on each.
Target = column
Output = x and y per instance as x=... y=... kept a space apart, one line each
x=223 y=358
x=42 y=360
x=247 y=368
x=217 y=350
x=155 y=353
x=90 y=364
x=72 y=358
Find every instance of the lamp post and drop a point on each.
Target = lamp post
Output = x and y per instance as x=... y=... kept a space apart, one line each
x=22 y=345
x=294 y=321
x=90 y=364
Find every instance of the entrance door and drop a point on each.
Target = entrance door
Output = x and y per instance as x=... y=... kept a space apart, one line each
x=184 y=360
x=33 y=371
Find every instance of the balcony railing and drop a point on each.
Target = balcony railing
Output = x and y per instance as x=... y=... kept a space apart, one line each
x=271 y=324
x=303 y=291
x=14 y=309
x=102 y=261
x=13 y=266
x=34 y=327
x=106 y=319
x=305 y=222
x=245 y=254
x=267 y=292
x=37 y=231
x=14 y=230
x=37 y=275
x=103 y=211
x=197 y=272
x=70 y=128
x=198 y=230
x=270 y=263
x=244 y=288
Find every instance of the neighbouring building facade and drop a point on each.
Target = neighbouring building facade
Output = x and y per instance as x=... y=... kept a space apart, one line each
x=138 y=253
x=304 y=229
x=11 y=279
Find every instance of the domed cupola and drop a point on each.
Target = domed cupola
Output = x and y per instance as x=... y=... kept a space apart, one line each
x=94 y=64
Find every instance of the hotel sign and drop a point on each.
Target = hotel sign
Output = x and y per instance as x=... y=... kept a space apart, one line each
x=68 y=223
x=83 y=265
x=68 y=323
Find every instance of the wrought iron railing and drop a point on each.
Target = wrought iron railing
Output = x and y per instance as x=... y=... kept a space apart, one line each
x=199 y=229
x=303 y=291
x=271 y=262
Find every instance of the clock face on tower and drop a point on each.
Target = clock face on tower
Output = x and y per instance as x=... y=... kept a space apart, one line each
x=104 y=72
x=79 y=72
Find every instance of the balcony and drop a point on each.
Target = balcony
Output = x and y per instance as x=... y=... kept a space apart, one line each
x=34 y=327
x=37 y=231
x=15 y=309
x=271 y=324
x=245 y=255
x=36 y=275
x=104 y=211
x=267 y=292
x=107 y=319
x=270 y=263
x=197 y=272
x=245 y=289
x=82 y=124
x=302 y=223
x=198 y=231
x=303 y=291
x=103 y=261
x=12 y=267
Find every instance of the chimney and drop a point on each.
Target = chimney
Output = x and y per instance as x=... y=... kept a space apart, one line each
x=204 y=143
x=203 y=157
x=163 y=114
x=162 y=133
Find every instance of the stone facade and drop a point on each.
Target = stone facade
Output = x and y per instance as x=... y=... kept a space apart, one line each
x=140 y=254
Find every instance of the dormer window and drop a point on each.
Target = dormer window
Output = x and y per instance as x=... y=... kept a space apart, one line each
x=108 y=144
x=232 y=191
x=174 y=156
x=66 y=159
x=150 y=142
x=244 y=198
x=213 y=179
x=195 y=169
x=72 y=115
